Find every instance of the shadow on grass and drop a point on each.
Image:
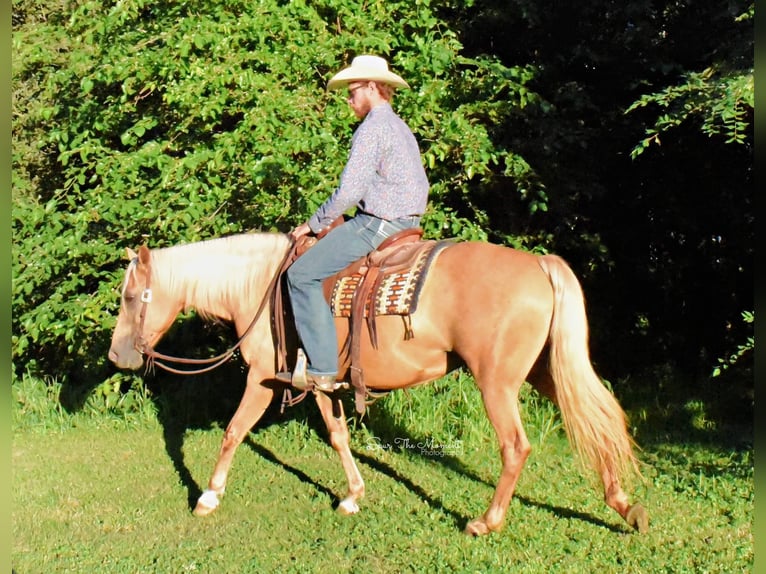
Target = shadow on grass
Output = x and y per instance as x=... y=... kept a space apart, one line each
x=206 y=402
x=668 y=417
x=388 y=430
x=461 y=520
x=458 y=519
x=176 y=420
x=217 y=405
x=299 y=474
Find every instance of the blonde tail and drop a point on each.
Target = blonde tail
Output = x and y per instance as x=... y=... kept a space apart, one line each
x=594 y=421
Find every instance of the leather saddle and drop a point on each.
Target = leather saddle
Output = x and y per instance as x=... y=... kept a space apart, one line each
x=396 y=255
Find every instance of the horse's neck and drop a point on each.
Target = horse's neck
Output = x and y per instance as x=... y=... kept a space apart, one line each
x=221 y=279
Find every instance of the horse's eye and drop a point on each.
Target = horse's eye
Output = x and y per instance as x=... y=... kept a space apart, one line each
x=129 y=298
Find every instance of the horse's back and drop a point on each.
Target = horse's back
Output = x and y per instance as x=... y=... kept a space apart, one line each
x=477 y=297
x=479 y=275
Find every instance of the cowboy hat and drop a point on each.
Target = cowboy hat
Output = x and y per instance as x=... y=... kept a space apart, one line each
x=372 y=68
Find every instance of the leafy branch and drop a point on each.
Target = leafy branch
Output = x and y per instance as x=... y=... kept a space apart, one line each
x=723 y=103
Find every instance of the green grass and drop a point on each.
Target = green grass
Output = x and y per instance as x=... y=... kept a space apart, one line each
x=112 y=493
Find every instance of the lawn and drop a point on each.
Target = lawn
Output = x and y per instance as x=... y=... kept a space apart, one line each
x=114 y=494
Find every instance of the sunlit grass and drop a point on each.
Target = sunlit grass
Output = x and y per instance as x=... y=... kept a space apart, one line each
x=113 y=493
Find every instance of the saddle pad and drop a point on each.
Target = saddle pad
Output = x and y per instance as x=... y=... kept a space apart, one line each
x=398 y=293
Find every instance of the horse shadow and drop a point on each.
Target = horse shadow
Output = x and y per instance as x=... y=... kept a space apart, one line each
x=216 y=397
x=207 y=401
x=461 y=520
x=174 y=435
x=389 y=431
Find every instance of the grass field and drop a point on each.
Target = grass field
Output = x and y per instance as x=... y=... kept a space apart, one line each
x=113 y=494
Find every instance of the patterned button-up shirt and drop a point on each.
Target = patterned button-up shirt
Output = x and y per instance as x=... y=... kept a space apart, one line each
x=384 y=175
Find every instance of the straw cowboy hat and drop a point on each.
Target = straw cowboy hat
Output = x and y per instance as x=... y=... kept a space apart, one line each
x=372 y=68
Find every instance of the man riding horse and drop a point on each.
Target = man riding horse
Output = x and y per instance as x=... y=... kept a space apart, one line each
x=385 y=180
x=508 y=315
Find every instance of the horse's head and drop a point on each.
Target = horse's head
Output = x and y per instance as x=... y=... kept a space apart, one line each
x=146 y=312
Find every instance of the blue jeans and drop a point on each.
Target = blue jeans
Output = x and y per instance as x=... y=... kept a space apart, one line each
x=339 y=248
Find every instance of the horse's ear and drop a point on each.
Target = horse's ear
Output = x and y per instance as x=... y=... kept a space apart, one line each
x=143 y=255
x=131 y=255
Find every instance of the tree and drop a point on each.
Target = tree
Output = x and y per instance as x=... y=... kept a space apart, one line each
x=663 y=240
x=138 y=121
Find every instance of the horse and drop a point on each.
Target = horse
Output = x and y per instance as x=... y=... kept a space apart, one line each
x=507 y=315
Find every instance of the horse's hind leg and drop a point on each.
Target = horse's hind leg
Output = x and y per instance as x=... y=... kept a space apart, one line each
x=253 y=404
x=614 y=496
x=635 y=515
x=502 y=406
x=339 y=439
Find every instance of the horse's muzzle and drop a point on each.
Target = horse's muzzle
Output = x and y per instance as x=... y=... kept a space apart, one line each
x=132 y=360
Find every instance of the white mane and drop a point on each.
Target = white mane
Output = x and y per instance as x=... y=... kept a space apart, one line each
x=217 y=273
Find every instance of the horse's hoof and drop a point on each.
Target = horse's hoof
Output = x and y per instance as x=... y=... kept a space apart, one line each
x=207 y=503
x=202 y=510
x=638 y=518
x=348 y=507
x=477 y=528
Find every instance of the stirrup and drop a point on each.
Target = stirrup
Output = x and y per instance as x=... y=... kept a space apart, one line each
x=324 y=383
x=302 y=380
x=297 y=377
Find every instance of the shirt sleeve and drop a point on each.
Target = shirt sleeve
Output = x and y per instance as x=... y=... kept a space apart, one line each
x=357 y=178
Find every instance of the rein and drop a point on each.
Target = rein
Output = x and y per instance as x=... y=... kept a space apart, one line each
x=152 y=356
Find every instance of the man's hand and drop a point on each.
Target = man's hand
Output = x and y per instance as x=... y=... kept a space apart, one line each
x=300 y=231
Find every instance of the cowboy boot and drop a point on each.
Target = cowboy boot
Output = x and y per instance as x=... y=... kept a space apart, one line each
x=302 y=380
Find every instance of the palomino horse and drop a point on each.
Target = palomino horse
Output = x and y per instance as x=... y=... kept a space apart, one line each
x=509 y=315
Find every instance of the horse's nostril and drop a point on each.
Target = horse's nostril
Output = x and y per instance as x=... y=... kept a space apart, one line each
x=112 y=355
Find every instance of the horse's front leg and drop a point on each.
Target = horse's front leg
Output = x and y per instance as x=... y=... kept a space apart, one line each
x=255 y=400
x=339 y=439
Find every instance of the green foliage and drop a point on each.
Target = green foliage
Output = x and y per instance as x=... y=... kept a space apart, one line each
x=38 y=403
x=721 y=98
x=162 y=123
x=723 y=104
x=743 y=350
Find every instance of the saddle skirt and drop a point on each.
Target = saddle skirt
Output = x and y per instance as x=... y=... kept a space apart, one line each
x=397 y=286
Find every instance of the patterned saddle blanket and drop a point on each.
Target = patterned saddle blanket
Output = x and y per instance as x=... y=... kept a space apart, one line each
x=397 y=288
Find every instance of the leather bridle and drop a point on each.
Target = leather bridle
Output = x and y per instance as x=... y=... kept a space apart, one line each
x=155 y=358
